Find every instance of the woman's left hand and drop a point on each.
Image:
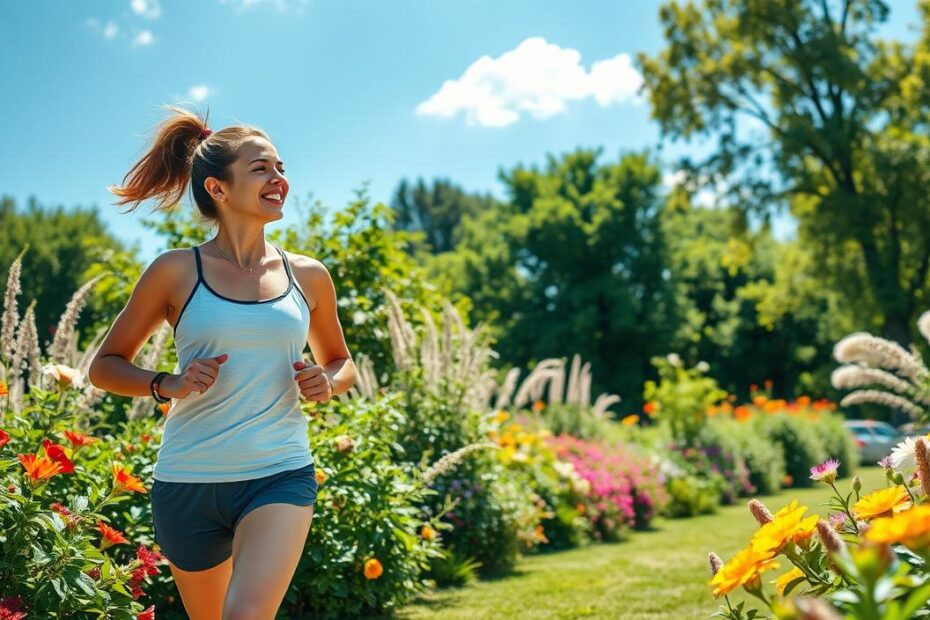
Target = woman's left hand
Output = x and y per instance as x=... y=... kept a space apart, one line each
x=311 y=381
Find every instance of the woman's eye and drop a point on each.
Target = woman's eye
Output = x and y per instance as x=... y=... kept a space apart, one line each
x=262 y=170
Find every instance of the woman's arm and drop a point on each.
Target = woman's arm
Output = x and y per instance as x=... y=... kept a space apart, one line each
x=112 y=368
x=326 y=340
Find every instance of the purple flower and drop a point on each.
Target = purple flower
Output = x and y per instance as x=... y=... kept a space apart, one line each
x=825 y=472
x=886 y=462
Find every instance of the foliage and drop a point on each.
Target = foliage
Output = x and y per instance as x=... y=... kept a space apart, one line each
x=681 y=397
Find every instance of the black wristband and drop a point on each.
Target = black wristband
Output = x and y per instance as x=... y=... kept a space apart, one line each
x=157 y=380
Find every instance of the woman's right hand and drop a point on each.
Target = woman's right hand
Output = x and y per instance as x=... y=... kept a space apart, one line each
x=198 y=377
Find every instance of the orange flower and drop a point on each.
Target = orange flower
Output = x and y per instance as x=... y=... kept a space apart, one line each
x=744 y=569
x=373 y=569
x=630 y=420
x=124 y=481
x=428 y=533
x=111 y=536
x=540 y=534
x=4 y=390
x=650 y=407
x=501 y=416
x=580 y=508
x=57 y=454
x=164 y=408
x=758 y=401
x=39 y=467
x=539 y=406
x=803 y=401
x=882 y=503
x=742 y=413
x=78 y=440
x=321 y=476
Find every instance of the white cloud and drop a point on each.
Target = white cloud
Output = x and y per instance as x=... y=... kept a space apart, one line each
x=110 y=30
x=536 y=77
x=199 y=92
x=107 y=31
x=145 y=37
x=149 y=9
x=294 y=6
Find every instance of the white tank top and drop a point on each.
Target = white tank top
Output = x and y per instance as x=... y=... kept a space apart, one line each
x=249 y=423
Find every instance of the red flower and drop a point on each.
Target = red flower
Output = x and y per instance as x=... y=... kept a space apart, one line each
x=57 y=454
x=10 y=608
x=4 y=438
x=148 y=614
x=78 y=440
x=111 y=536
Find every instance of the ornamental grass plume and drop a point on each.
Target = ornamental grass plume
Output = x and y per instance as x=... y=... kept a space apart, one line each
x=447 y=462
x=875 y=351
x=715 y=563
x=10 y=309
x=64 y=342
x=854 y=376
x=922 y=459
x=830 y=539
x=882 y=398
x=760 y=512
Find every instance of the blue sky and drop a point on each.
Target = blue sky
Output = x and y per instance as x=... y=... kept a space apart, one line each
x=349 y=92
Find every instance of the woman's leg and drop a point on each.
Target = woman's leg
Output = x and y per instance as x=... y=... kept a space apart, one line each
x=204 y=591
x=267 y=546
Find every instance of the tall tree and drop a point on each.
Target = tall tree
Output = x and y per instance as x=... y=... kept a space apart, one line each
x=436 y=209
x=837 y=131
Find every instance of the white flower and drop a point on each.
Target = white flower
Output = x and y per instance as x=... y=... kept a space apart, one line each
x=674 y=359
x=902 y=457
x=64 y=375
x=703 y=366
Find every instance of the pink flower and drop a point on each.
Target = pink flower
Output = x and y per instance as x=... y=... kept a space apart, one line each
x=825 y=472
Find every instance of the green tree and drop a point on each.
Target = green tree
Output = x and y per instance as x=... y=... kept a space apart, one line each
x=437 y=210
x=64 y=245
x=810 y=110
x=573 y=262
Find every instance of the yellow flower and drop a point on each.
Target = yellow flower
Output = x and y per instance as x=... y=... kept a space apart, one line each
x=782 y=582
x=373 y=569
x=321 y=476
x=787 y=525
x=882 y=503
x=744 y=568
x=910 y=528
x=501 y=416
x=428 y=533
x=630 y=420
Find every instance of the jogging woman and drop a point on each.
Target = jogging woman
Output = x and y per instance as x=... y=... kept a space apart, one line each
x=234 y=482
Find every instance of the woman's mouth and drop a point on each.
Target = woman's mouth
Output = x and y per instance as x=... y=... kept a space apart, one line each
x=273 y=198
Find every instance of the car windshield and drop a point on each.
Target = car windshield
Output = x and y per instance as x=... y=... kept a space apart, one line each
x=887 y=432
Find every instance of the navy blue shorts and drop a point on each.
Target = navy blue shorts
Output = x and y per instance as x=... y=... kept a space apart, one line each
x=194 y=522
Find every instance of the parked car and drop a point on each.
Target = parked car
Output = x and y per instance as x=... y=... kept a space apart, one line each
x=912 y=430
x=874 y=438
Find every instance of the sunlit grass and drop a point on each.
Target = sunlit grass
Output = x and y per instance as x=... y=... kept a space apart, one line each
x=661 y=574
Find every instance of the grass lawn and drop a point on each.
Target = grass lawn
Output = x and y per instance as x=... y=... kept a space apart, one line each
x=657 y=574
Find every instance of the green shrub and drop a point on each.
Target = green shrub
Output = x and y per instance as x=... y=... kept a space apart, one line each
x=800 y=443
x=764 y=459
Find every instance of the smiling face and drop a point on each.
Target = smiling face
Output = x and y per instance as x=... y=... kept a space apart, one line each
x=258 y=174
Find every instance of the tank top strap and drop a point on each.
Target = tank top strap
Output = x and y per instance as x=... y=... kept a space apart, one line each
x=199 y=264
x=287 y=266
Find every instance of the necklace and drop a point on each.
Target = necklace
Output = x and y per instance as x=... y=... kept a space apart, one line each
x=232 y=261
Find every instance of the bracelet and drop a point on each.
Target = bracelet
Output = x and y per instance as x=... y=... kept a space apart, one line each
x=156 y=380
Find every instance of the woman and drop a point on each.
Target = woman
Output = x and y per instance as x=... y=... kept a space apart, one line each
x=234 y=481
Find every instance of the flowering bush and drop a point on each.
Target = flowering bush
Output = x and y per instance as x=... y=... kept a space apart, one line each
x=681 y=398
x=869 y=559
x=529 y=456
x=624 y=493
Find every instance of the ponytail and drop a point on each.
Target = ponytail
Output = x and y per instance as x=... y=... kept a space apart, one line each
x=178 y=156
